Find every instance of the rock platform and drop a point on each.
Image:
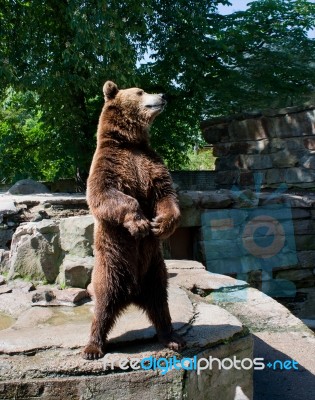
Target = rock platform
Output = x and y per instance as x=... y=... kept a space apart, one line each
x=41 y=349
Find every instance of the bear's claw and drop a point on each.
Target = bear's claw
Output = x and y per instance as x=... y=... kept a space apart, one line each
x=162 y=226
x=92 y=352
x=138 y=226
x=172 y=340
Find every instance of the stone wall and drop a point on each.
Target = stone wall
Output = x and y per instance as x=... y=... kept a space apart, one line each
x=264 y=238
x=280 y=144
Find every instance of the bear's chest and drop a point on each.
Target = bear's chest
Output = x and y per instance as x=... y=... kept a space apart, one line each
x=138 y=175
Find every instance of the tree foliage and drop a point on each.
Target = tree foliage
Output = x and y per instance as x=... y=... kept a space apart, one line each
x=208 y=64
x=28 y=147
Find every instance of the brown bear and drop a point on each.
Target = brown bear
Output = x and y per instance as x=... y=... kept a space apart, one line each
x=130 y=195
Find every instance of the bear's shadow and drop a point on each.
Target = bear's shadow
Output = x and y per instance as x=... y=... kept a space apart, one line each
x=197 y=337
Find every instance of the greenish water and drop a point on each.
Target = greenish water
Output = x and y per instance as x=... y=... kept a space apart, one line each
x=5 y=321
x=68 y=315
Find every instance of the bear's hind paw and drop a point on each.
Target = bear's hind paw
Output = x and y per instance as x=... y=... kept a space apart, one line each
x=92 y=352
x=173 y=341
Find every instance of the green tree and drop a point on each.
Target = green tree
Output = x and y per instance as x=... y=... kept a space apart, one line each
x=221 y=64
x=63 y=51
x=26 y=143
x=208 y=64
x=267 y=59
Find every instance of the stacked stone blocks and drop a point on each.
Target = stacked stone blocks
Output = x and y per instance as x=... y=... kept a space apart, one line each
x=278 y=143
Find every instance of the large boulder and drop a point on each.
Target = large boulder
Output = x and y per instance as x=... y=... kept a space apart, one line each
x=76 y=235
x=49 y=249
x=28 y=186
x=76 y=271
x=35 y=251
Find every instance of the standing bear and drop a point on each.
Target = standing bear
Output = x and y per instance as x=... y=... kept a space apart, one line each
x=130 y=195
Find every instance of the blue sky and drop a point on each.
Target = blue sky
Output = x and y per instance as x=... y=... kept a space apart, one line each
x=240 y=5
x=237 y=5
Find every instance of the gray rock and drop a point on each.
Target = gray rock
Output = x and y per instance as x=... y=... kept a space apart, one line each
x=309 y=143
x=35 y=251
x=43 y=296
x=33 y=316
x=2 y=280
x=299 y=213
x=245 y=199
x=39 y=248
x=227 y=178
x=290 y=125
x=216 y=199
x=28 y=186
x=15 y=303
x=55 y=297
x=308 y=161
x=295 y=275
x=297 y=175
x=4 y=260
x=23 y=286
x=7 y=207
x=76 y=235
x=249 y=129
x=284 y=159
x=37 y=217
x=185 y=201
x=304 y=227
x=293 y=145
x=275 y=176
x=5 y=236
x=216 y=133
x=203 y=282
x=5 y=289
x=304 y=242
x=184 y=264
x=207 y=326
x=76 y=271
x=71 y=295
x=255 y=161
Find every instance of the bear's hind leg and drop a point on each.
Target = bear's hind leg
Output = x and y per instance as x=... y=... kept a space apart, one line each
x=104 y=318
x=153 y=299
x=108 y=306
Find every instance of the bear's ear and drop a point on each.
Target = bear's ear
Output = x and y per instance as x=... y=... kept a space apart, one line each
x=110 y=90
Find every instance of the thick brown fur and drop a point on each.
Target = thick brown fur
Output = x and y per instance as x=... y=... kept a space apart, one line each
x=134 y=205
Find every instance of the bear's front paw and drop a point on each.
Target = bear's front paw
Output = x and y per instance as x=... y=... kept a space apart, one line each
x=137 y=225
x=163 y=226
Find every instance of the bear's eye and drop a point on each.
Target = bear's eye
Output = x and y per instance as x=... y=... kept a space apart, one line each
x=140 y=93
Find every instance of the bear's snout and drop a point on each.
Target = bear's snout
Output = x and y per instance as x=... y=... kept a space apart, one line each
x=155 y=101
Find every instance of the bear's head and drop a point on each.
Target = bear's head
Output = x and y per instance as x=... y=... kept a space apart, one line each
x=133 y=105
